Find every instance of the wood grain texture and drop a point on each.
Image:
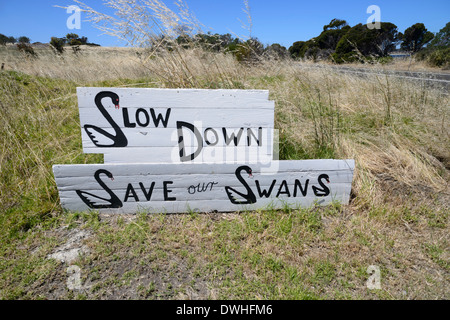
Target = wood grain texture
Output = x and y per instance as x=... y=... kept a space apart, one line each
x=179 y=98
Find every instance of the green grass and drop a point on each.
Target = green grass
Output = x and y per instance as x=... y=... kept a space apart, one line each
x=436 y=251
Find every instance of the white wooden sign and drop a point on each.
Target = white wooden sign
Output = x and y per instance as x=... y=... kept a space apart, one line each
x=181 y=150
x=176 y=125
x=178 y=188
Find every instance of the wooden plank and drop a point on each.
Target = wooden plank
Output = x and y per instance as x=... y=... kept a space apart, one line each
x=186 y=169
x=172 y=155
x=138 y=120
x=178 y=98
x=203 y=187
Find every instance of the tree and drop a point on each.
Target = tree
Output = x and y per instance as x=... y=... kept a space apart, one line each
x=12 y=40
x=216 y=42
x=24 y=39
x=387 y=38
x=298 y=49
x=335 y=24
x=332 y=34
x=442 y=38
x=73 y=39
x=84 y=40
x=250 y=51
x=361 y=42
x=322 y=46
x=415 y=37
x=57 y=44
x=437 y=52
x=3 y=39
x=72 y=36
x=276 y=51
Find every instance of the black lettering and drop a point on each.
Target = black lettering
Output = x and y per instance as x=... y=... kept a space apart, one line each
x=167 y=191
x=119 y=140
x=148 y=195
x=298 y=185
x=237 y=197
x=232 y=137
x=324 y=191
x=191 y=190
x=138 y=117
x=209 y=143
x=202 y=187
x=130 y=190
x=181 y=146
x=212 y=185
x=126 y=119
x=265 y=193
x=286 y=189
x=92 y=200
x=159 y=118
x=251 y=134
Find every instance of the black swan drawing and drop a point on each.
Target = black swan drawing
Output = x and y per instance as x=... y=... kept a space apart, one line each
x=95 y=202
x=234 y=195
x=324 y=191
x=116 y=140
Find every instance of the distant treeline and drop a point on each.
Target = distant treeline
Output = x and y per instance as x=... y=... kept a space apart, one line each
x=71 y=39
x=12 y=40
x=245 y=51
x=57 y=44
x=341 y=43
x=338 y=42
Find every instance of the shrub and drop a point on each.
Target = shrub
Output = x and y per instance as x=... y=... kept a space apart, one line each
x=75 y=42
x=3 y=39
x=249 y=51
x=440 y=58
x=435 y=57
x=24 y=39
x=385 y=60
x=57 y=44
x=27 y=49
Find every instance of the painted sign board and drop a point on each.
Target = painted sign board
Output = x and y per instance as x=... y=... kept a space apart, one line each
x=176 y=125
x=178 y=188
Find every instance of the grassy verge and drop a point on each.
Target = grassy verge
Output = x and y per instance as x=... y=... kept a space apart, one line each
x=397 y=220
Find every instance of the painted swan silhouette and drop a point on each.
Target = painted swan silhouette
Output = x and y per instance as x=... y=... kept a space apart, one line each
x=324 y=191
x=234 y=195
x=96 y=202
x=96 y=134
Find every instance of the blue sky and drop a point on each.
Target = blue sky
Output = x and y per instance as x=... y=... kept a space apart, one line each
x=281 y=21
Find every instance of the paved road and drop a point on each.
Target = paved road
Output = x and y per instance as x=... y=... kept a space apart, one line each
x=432 y=79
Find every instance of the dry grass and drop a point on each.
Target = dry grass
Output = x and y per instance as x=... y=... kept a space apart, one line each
x=91 y=64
